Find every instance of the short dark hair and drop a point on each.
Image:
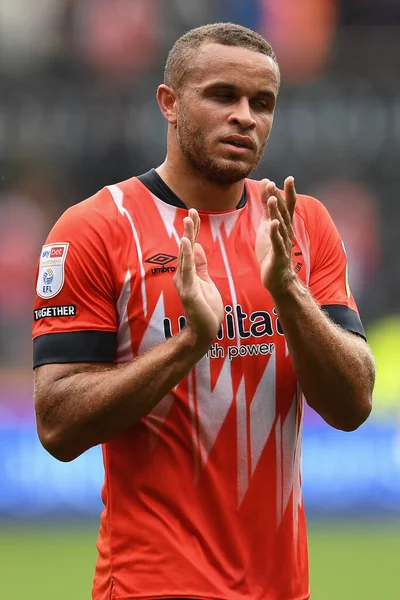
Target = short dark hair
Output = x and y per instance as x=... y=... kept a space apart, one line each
x=183 y=52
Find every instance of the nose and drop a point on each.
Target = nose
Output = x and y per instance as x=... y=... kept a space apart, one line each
x=242 y=115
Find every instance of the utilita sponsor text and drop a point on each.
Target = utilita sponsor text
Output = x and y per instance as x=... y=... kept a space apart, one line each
x=238 y=325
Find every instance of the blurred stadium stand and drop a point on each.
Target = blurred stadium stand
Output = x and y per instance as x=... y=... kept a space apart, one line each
x=78 y=111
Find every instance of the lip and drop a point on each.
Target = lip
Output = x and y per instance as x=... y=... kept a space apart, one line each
x=236 y=150
x=246 y=143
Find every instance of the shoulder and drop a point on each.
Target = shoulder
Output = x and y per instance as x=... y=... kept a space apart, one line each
x=131 y=188
x=99 y=207
x=311 y=210
x=102 y=210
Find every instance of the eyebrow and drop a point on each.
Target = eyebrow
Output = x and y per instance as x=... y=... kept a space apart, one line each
x=221 y=85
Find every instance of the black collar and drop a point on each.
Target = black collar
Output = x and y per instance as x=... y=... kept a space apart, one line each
x=159 y=188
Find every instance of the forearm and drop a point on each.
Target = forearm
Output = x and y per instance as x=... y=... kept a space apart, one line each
x=91 y=405
x=335 y=369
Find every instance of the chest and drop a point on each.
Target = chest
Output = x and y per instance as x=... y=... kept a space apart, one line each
x=153 y=309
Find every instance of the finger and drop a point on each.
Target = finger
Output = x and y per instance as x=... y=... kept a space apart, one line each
x=186 y=262
x=272 y=190
x=180 y=259
x=277 y=240
x=290 y=195
x=194 y=215
x=188 y=229
x=283 y=208
x=276 y=215
x=264 y=198
x=285 y=225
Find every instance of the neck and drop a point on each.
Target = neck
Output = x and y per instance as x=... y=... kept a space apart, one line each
x=196 y=192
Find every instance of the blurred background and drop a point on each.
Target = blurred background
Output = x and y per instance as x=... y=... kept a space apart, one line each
x=77 y=112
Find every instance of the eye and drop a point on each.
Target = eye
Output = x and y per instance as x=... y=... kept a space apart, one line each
x=223 y=96
x=258 y=102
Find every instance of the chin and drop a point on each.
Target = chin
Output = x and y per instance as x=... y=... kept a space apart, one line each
x=229 y=172
x=219 y=170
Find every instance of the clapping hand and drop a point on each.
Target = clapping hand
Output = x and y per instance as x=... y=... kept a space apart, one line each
x=274 y=238
x=201 y=300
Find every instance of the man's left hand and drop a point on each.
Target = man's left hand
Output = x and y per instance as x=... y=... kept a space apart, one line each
x=274 y=238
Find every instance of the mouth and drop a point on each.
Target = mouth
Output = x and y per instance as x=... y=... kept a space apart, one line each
x=238 y=145
x=239 y=141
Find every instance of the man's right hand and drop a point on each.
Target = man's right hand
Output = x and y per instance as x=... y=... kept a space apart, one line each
x=201 y=300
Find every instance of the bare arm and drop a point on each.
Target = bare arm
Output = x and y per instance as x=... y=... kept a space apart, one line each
x=79 y=405
x=335 y=368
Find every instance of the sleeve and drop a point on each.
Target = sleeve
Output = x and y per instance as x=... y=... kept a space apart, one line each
x=329 y=282
x=75 y=317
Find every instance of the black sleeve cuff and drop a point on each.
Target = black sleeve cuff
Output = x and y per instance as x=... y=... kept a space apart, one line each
x=345 y=317
x=74 y=347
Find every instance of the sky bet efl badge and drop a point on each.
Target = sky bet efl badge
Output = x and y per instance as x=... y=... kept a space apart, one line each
x=51 y=270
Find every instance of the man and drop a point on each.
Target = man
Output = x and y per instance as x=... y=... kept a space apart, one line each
x=160 y=339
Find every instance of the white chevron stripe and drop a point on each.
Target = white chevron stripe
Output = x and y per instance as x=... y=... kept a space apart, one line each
x=227 y=220
x=124 y=341
x=255 y=209
x=230 y=282
x=215 y=225
x=297 y=493
x=168 y=215
x=230 y=221
x=278 y=437
x=241 y=415
x=289 y=439
x=118 y=197
x=212 y=405
x=154 y=332
x=193 y=424
x=155 y=419
x=263 y=411
x=151 y=338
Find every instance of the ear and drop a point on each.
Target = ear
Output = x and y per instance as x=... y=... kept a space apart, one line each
x=166 y=99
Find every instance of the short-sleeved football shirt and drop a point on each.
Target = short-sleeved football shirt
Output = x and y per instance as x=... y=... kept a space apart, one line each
x=202 y=498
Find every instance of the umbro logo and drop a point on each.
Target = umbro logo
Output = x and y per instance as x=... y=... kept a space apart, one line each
x=161 y=259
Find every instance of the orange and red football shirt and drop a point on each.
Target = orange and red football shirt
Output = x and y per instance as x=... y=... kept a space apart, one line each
x=202 y=498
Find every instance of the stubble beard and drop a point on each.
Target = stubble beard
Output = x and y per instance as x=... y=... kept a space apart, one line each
x=193 y=146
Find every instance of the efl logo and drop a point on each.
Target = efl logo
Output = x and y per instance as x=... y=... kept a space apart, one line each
x=161 y=259
x=51 y=269
x=57 y=252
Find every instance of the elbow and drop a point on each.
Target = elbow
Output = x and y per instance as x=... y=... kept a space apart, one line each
x=355 y=419
x=55 y=444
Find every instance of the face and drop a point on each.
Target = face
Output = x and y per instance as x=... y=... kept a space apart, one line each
x=225 y=112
